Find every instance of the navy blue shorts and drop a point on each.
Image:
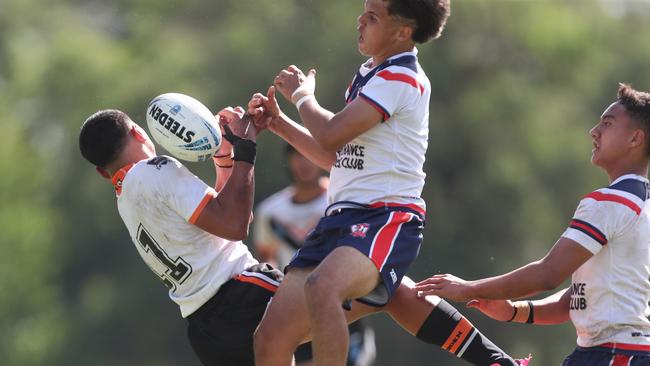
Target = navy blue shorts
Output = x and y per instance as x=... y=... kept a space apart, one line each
x=610 y=354
x=389 y=235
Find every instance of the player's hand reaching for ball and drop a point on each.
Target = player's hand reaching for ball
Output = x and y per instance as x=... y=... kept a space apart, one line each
x=264 y=109
x=240 y=131
x=235 y=122
x=445 y=285
x=293 y=84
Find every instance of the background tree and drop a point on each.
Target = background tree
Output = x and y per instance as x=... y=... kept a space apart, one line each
x=516 y=86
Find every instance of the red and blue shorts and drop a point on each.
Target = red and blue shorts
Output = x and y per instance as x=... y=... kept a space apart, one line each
x=390 y=235
x=610 y=354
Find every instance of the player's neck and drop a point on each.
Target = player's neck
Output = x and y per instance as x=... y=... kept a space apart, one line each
x=128 y=157
x=392 y=51
x=638 y=168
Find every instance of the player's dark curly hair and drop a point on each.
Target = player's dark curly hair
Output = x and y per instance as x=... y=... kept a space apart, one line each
x=637 y=105
x=103 y=135
x=429 y=16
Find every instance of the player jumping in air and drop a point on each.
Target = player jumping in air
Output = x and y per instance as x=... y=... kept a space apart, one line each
x=374 y=150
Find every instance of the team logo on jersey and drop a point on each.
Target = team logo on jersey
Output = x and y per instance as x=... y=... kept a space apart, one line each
x=158 y=161
x=359 y=230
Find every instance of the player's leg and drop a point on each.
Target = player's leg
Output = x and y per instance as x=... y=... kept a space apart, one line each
x=285 y=324
x=345 y=273
x=435 y=321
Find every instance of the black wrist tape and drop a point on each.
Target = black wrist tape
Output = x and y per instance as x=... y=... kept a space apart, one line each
x=244 y=150
x=531 y=315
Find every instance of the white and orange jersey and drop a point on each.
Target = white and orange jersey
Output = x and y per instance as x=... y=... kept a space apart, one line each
x=159 y=200
x=610 y=292
x=385 y=163
x=283 y=223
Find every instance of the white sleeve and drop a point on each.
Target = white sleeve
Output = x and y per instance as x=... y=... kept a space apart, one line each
x=262 y=226
x=390 y=90
x=595 y=223
x=183 y=191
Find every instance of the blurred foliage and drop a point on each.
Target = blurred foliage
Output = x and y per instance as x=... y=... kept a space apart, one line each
x=516 y=86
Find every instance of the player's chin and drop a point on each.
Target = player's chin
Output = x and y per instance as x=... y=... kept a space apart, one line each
x=595 y=159
x=362 y=48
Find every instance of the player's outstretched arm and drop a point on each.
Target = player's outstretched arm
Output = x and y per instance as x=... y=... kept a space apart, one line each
x=290 y=131
x=565 y=257
x=228 y=214
x=550 y=310
x=330 y=130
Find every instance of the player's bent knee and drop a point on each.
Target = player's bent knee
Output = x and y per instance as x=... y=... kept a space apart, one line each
x=317 y=288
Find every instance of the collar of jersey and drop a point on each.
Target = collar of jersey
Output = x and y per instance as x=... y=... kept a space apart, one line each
x=413 y=52
x=630 y=176
x=118 y=177
x=367 y=68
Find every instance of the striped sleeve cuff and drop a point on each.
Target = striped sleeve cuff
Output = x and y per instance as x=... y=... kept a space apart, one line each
x=586 y=235
x=209 y=195
x=384 y=113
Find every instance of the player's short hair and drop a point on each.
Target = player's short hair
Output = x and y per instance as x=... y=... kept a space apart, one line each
x=103 y=135
x=637 y=105
x=428 y=17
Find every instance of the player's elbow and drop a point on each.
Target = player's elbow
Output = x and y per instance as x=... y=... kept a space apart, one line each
x=547 y=281
x=330 y=142
x=547 y=275
x=545 y=284
x=239 y=232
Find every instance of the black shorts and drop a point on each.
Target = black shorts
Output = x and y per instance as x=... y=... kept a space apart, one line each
x=221 y=331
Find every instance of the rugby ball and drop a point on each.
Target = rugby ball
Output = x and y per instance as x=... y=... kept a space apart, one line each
x=184 y=127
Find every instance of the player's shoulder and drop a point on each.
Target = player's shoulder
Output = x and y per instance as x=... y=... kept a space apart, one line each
x=157 y=166
x=161 y=162
x=626 y=194
x=410 y=78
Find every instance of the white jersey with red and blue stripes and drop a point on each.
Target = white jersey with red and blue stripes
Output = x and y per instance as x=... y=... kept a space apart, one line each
x=385 y=163
x=610 y=292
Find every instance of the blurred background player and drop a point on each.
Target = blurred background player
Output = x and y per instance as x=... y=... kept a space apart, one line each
x=605 y=250
x=283 y=220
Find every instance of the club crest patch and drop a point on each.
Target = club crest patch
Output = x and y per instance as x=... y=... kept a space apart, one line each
x=359 y=230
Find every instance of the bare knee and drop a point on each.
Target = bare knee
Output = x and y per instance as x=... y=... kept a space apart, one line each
x=318 y=289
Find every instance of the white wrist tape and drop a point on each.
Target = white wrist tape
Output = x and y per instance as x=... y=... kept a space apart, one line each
x=309 y=86
x=303 y=100
x=298 y=90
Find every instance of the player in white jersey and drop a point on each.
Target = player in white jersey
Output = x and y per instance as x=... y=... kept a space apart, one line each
x=189 y=234
x=605 y=250
x=282 y=222
x=374 y=149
